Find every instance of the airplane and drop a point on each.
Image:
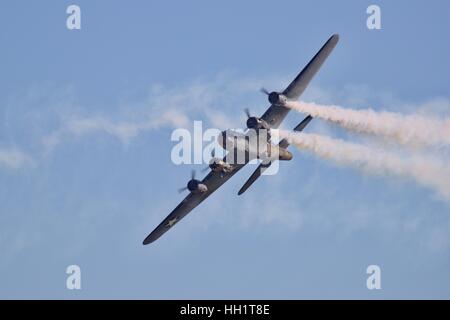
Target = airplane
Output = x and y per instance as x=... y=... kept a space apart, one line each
x=223 y=169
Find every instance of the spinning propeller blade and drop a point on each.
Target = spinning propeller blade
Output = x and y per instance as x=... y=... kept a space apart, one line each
x=182 y=189
x=264 y=90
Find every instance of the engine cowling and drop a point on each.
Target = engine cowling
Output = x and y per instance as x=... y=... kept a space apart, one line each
x=196 y=186
x=257 y=123
x=277 y=98
x=218 y=165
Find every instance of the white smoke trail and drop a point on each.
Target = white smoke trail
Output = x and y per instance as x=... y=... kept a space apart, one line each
x=413 y=130
x=424 y=170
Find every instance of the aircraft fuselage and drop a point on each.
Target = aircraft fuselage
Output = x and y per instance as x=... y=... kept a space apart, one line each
x=249 y=145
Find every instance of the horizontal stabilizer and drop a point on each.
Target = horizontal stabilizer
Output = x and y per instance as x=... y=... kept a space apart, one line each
x=302 y=125
x=255 y=175
x=284 y=143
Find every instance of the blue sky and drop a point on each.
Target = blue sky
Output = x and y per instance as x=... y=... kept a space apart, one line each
x=85 y=170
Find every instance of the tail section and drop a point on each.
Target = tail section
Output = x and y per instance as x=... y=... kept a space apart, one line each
x=263 y=166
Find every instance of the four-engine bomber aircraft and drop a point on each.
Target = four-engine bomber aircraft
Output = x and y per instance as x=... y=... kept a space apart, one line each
x=224 y=169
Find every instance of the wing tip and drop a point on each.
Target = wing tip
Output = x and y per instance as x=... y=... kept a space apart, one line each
x=334 y=39
x=148 y=240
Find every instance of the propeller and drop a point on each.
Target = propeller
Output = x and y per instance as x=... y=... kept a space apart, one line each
x=182 y=189
x=213 y=154
x=264 y=90
x=247 y=111
x=186 y=188
x=251 y=120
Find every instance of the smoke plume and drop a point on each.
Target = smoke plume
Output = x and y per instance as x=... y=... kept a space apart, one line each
x=413 y=130
x=426 y=171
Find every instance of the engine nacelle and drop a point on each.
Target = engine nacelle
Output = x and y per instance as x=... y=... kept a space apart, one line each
x=257 y=123
x=218 y=165
x=196 y=186
x=277 y=98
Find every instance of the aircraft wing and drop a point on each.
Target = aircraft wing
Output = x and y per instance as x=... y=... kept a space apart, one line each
x=273 y=116
x=276 y=113
x=263 y=166
x=213 y=181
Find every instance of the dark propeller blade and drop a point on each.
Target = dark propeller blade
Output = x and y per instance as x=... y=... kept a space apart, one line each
x=264 y=90
x=247 y=112
x=213 y=153
x=182 y=189
x=192 y=178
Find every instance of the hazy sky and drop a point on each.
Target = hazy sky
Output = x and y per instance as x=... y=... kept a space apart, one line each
x=85 y=171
